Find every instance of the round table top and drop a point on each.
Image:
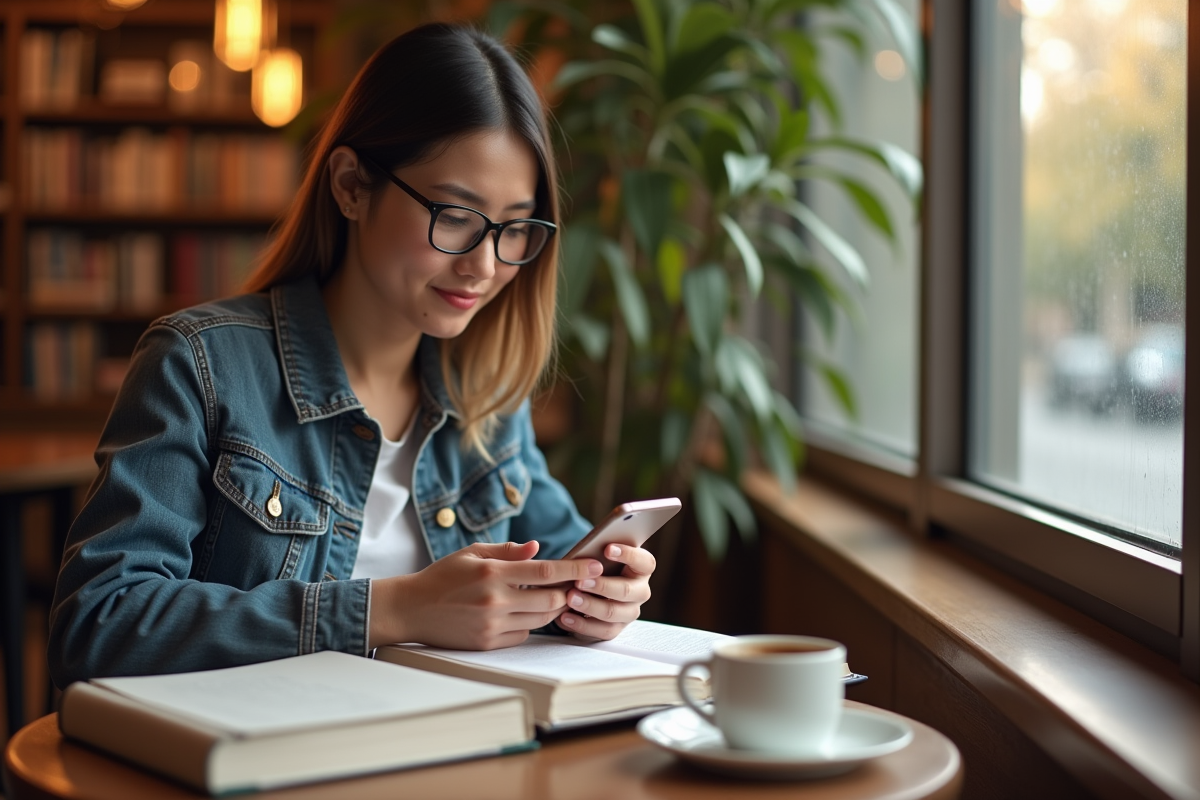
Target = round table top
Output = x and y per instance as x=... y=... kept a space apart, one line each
x=612 y=761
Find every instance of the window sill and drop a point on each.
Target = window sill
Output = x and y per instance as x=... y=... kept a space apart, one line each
x=1119 y=718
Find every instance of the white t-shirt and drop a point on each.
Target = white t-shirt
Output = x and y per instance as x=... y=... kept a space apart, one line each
x=391 y=542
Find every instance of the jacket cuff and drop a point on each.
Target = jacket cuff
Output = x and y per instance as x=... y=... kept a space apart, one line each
x=336 y=616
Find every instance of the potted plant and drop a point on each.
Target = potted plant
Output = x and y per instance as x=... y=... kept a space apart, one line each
x=687 y=138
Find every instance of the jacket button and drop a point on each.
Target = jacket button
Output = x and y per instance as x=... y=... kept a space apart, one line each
x=363 y=432
x=513 y=494
x=446 y=517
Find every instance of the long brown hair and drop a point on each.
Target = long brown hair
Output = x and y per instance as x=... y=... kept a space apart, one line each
x=418 y=93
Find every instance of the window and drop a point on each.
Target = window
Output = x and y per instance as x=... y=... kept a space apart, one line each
x=875 y=346
x=1049 y=379
x=1078 y=260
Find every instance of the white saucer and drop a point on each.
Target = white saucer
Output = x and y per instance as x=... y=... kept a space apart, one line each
x=862 y=734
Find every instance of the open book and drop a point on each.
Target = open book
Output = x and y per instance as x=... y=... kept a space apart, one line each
x=574 y=683
x=308 y=718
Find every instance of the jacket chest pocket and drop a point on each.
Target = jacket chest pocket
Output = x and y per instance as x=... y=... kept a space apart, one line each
x=271 y=502
x=498 y=495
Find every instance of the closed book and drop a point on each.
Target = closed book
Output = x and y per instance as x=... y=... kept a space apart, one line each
x=309 y=718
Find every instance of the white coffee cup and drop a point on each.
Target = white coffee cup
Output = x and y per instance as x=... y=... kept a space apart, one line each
x=774 y=694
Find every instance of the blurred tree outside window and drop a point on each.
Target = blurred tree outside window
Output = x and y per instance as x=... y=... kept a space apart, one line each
x=1078 y=296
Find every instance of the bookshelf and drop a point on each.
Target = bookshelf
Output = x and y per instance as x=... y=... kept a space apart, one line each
x=122 y=198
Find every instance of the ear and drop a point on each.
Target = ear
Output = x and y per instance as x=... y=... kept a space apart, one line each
x=345 y=184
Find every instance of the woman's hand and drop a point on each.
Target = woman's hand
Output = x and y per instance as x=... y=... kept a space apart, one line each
x=473 y=599
x=601 y=607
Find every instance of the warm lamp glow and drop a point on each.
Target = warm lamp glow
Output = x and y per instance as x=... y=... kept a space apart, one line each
x=276 y=90
x=243 y=29
x=124 y=5
x=185 y=76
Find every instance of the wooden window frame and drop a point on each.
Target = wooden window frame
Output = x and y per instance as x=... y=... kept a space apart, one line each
x=1152 y=598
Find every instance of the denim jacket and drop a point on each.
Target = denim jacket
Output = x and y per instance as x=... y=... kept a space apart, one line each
x=234 y=468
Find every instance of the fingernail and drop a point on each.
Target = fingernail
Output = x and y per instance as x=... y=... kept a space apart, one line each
x=576 y=600
x=588 y=584
x=595 y=568
x=613 y=551
x=567 y=619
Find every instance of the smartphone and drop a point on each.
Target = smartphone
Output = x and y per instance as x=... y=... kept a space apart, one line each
x=628 y=523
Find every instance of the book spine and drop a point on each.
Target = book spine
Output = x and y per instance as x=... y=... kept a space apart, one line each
x=136 y=733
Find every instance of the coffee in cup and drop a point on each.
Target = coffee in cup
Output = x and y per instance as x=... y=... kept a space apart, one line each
x=774 y=694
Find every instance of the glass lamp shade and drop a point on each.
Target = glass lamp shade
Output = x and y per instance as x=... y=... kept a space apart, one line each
x=276 y=89
x=243 y=29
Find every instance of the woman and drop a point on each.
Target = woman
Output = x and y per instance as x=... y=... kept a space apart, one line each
x=344 y=458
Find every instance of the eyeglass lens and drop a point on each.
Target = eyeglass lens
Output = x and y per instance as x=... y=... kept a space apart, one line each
x=458 y=229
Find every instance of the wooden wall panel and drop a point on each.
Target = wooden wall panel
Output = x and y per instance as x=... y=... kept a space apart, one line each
x=1001 y=763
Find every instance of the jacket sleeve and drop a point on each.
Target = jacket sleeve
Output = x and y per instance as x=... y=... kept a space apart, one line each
x=549 y=514
x=124 y=603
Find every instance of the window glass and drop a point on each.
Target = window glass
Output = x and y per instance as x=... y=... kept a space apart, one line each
x=875 y=344
x=1078 y=281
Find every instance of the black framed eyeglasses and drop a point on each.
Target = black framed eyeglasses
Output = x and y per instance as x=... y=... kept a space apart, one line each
x=456 y=229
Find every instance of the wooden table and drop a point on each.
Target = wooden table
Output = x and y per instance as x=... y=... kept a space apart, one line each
x=32 y=464
x=609 y=762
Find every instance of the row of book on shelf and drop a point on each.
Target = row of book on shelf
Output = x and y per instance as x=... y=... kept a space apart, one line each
x=141 y=170
x=68 y=271
x=66 y=361
x=58 y=69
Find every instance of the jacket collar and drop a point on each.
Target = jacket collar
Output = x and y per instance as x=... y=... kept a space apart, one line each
x=312 y=365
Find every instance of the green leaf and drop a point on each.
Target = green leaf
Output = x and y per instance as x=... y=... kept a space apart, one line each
x=810 y=290
x=629 y=294
x=793 y=130
x=593 y=335
x=652 y=32
x=686 y=70
x=710 y=515
x=788 y=416
x=754 y=268
x=740 y=365
x=580 y=243
x=703 y=23
x=647 y=198
x=870 y=206
x=713 y=146
x=734 y=502
x=674 y=435
x=788 y=242
x=706 y=301
x=732 y=430
x=839 y=248
x=839 y=387
x=778 y=452
x=614 y=38
x=806 y=72
x=901 y=164
x=745 y=171
x=577 y=71
x=671 y=262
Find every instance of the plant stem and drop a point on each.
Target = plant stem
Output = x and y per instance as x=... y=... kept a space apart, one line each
x=614 y=403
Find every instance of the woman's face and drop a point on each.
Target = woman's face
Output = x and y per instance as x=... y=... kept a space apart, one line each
x=436 y=293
